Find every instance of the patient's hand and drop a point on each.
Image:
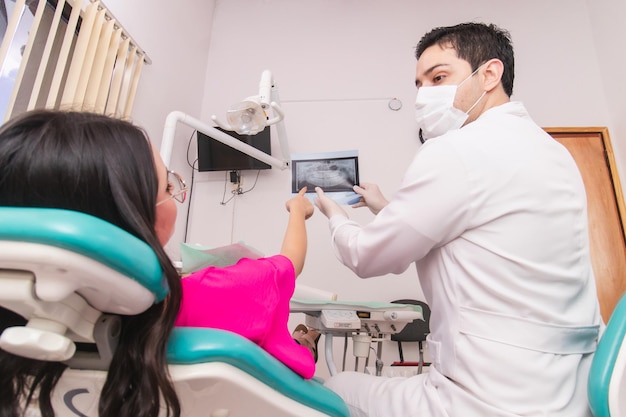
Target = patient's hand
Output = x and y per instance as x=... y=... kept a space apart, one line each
x=300 y=203
x=371 y=197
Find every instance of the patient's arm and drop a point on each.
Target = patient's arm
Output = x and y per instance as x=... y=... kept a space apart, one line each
x=295 y=241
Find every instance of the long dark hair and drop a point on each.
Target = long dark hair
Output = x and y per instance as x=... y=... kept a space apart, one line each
x=104 y=167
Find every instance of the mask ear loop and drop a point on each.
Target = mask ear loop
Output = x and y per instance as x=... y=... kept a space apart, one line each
x=482 y=95
x=472 y=74
x=477 y=101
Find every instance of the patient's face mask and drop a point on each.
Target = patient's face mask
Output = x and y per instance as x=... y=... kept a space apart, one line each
x=435 y=112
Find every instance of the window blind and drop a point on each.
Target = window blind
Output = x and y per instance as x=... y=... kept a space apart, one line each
x=70 y=55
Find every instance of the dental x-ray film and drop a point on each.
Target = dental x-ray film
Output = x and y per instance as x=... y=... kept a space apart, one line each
x=334 y=172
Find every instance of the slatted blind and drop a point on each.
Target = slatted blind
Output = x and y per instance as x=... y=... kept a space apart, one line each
x=77 y=56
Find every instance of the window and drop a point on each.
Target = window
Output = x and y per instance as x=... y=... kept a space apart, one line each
x=66 y=55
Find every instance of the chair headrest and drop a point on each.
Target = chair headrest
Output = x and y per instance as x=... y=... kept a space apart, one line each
x=89 y=236
x=60 y=270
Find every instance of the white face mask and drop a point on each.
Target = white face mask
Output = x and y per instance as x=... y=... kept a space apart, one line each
x=435 y=112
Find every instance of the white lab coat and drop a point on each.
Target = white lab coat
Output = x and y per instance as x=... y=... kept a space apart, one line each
x=494 y=217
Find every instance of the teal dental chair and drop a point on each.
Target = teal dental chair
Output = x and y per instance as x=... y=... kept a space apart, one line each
x=71 y=275
x=607 y=377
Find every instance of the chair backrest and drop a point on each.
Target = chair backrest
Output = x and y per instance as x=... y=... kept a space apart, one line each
x=607 y=376
x=417 y=330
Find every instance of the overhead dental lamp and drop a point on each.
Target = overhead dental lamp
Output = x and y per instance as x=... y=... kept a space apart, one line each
x=248 y=117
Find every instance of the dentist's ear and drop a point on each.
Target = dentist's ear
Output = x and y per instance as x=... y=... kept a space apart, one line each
x=492 y=73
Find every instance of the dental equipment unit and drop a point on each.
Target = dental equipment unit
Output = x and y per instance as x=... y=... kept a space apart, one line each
x=365 y=322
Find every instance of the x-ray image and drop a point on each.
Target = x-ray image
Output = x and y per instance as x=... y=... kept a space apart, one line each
x=331 y=172
x=334 y=172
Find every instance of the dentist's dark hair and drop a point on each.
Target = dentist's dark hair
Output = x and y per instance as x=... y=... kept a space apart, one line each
x=476 y=43
x=104 y=167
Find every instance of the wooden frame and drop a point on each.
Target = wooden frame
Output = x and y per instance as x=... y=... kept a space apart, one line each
x=610 y=158
x=593 y=153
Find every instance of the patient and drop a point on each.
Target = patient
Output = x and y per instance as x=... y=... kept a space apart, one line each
x=107 y=168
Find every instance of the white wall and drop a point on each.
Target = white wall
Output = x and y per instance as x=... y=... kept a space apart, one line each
x=336 y=65
x=609 y=32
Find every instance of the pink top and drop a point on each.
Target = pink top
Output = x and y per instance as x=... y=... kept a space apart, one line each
x=250 y=298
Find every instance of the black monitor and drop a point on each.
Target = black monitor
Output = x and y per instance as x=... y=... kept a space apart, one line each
x=216 y=156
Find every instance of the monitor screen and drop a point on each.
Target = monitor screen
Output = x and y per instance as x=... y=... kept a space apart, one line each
x=216 y=156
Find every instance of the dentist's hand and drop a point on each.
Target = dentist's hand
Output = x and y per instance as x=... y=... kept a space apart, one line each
x=300 y=203
x=371 y=197
x=328 y=206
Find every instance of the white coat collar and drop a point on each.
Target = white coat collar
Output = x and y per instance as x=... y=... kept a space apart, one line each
x=514 y=108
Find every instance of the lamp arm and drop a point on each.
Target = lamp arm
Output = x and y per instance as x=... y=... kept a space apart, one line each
x=279 y=114
x=265 y=88
x=179 y=117
x=224 y=126
x=280 y=127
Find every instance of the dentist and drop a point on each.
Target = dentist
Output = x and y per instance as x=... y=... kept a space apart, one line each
x=492 y=212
